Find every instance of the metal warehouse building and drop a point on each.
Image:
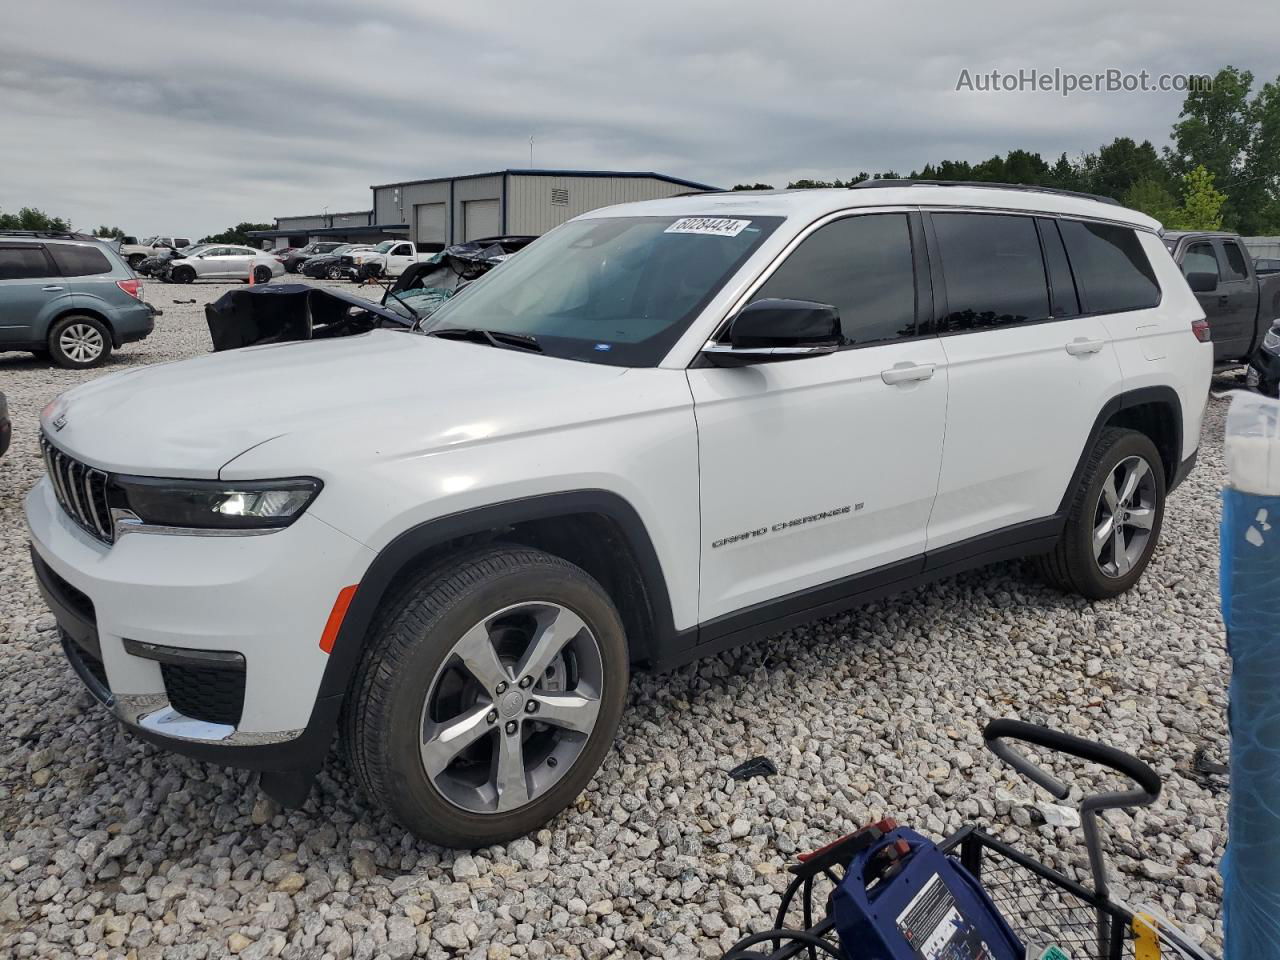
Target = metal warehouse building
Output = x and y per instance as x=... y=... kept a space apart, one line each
x=531 y=202
x=356 y=226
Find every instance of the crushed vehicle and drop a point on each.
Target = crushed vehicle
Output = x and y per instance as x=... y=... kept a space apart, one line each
x=277 y=314
x=390 y=258
x=134 y=252
x=335 y=265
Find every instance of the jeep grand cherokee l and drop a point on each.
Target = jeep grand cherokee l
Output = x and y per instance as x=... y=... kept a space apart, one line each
x=663 y=429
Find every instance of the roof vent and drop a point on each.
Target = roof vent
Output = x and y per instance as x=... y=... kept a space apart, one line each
x=560 y=196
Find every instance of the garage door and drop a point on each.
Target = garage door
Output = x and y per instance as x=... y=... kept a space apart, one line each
x=428 y=223
x=480 y=218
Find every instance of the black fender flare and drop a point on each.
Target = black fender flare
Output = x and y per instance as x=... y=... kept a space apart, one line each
x=410 y=545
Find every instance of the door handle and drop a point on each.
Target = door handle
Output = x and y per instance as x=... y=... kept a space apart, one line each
x=907 y=373
x=1083 y=345
x=1223 y=300
x=52 y=289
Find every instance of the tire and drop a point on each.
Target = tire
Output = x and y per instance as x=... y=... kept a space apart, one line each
x=79 y=341
x=135 y=259
x=335 y=273
x=412 y=680
x=182 y=275
x=1074 y=565
x=261 y=274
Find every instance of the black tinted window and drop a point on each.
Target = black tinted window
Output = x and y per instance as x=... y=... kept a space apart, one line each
x=862 y=266
x=1236 y=268
x=1111 y=268
x=1062 y=286
x=21 y=263
x=79 y=261
x=993 y=268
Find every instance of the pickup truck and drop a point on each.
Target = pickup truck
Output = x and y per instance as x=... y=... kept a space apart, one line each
x=134 y=252
x=1239 y=304
x=391 y=258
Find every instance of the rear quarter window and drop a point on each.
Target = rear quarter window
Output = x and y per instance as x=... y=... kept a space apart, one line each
x=76 y=261
x=1111 y=269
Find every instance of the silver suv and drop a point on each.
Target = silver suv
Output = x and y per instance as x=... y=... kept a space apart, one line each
x=69 y=296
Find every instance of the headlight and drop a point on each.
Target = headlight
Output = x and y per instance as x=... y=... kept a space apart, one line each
x=214 y=504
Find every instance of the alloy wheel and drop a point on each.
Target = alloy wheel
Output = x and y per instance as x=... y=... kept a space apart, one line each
x=81 y=342
x=1124 y=517
x=511 y=707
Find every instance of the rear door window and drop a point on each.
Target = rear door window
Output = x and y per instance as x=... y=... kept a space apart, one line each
x=1111 y=269
x=1236 y=268
x=77 y=261
x=862 y=266
x=24 y=263
x=994 y=271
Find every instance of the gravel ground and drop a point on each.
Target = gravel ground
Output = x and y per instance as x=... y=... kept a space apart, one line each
x=109 y=847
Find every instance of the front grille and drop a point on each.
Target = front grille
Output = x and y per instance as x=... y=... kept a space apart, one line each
x=81 y=491
x=211 y=694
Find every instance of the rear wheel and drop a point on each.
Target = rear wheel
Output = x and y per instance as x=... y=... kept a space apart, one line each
x=79 y=341
x=134 y=260
x=488 y=697
x=1113 y=524
x=261 y=274
x=335 y=273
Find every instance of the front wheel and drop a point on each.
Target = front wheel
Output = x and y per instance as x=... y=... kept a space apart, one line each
x=1113 y=524
x=335 y=273
x=182 y=275
x=489 y=695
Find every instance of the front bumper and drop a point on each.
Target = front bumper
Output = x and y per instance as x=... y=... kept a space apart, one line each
x=207 y=646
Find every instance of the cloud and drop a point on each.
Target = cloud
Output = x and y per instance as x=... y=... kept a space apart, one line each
x=190 y=117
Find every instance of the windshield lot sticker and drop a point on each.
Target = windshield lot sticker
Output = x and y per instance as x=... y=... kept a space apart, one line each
x=714 y=226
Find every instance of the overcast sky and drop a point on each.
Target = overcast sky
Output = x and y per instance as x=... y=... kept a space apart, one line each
x=192 y=116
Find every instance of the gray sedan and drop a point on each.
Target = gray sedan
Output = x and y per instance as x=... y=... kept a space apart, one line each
x=216 y=261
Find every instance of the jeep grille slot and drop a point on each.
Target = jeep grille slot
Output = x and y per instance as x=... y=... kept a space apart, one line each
x=81 y=491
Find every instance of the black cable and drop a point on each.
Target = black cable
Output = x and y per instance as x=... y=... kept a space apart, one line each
x=799 y=936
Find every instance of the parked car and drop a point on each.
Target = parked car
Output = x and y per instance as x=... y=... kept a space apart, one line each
x=134 y=252
x=1265 y=267
x=390 y=258
x=67 y=296
x=663 y=429
x=296 y=258
x=6 y=426
x=1238 y=303
x=424 y=286
x=338 y=264
x=218 y=261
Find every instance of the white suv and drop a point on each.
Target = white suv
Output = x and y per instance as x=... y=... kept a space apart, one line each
x=664 y=429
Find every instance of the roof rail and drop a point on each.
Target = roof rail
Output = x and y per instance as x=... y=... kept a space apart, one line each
x=48 y=234
x=1027 y=187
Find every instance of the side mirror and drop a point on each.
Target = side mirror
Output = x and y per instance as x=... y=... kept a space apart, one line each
x=1202 y=282
x=767 y=331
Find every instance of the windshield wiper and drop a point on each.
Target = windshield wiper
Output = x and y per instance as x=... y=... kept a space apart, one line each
x=495 y=338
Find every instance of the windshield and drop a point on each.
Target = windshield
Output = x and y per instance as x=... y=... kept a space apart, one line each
x=198 y=248
x=385 y=245
x=615 y=290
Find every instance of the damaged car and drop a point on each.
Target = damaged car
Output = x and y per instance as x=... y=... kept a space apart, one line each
x=281 y=313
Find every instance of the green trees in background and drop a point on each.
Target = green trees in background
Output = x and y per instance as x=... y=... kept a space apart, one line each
x=1221 y=172
x=29 y=218
x=114 y=232
x=239 y=234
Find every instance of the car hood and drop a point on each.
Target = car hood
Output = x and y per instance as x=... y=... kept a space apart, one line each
x=192 y=417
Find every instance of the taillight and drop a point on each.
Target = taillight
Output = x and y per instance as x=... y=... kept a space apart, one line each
x=1201 y=329
x=132 y=287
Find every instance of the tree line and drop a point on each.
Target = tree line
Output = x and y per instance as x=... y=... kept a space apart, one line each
x=1221 y=171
